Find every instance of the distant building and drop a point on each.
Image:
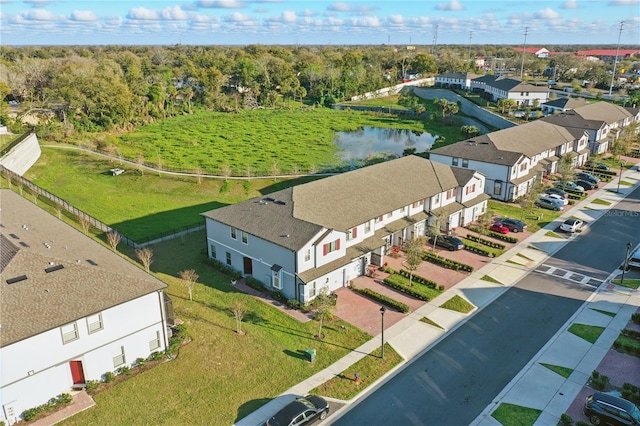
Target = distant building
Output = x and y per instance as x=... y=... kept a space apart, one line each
x=455 y=80
x=562 y=104
x=539 y=52
x=495 y=88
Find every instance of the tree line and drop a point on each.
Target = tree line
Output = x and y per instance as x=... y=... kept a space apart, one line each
x=105 y=88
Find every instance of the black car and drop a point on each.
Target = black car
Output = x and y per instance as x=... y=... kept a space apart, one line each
x=596 y=165
x=449 y=242
x=606 y=409
x=301 y=411
x=587 y=185
x=588 y=177
x=514 y=225
x=557 y=191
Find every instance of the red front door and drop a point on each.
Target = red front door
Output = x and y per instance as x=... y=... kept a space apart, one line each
x=77 y=373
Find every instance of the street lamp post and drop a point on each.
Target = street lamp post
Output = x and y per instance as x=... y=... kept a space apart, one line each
x=624 y=264
x=382 y=311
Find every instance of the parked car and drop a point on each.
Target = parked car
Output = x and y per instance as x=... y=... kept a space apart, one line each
x=606 y=409
x=301 y=411
x=571 y=186
x=499 y=227
x=588 y=177
x=558 y=197
x=557 y=191
x=587 y=185
x=514 y=225
x=596 y=165
x=571 y=225
x=449 y=242
x=634 y=260
x=550 y=203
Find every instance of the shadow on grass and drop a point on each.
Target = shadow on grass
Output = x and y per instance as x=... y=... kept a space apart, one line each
x=249 y=407
x=300 y=354
x=308 y=336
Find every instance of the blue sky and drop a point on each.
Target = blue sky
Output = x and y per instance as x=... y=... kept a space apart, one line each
x=372 y=22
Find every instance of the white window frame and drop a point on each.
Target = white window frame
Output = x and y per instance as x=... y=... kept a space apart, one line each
x=307 y=255
x=94 y=323
x=276 y=279
x=69 y=332
x=367 y=227
x=244 y=237
x=228 y=258
x=234 y=233
x=213 y=251
x=313 y=289
x=120 y=359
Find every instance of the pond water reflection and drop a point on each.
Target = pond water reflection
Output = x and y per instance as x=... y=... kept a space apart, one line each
x=372 y=141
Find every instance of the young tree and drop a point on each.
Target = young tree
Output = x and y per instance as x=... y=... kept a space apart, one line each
x=436 y=223
x=145 y=255
x=113 y=238
x=189 y=278
x=239 y=309
x=323 y=306
x=413 y=252
x=565 y=168
x=623 y=146
x=85 y=224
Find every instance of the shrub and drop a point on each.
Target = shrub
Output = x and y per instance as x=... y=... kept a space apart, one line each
x=124 y=370
x=485 y=242
x=61 y=399
x=108 y=377
x=598 y=381
x=635 y=318
x=566 y=419
x=447 y=263
x=92 y=385
x=479 y=250
x=140 y=362
x=293 y=303
x=418 y=279
x=254 y=283
x=224 y=268
x=388 y=269
x=418 y=290
x=381 y=298
x=155 y=356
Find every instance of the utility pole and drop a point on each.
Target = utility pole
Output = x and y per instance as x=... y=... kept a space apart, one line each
x=435 y=40
x=524 y=46
x=469 y=54
x=615 y=61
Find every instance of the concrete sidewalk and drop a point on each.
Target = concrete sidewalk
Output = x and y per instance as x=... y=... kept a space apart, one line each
x=411 y=337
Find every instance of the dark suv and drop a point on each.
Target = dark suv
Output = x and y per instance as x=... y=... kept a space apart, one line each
x=301 y=411
x=605 y=409
x=514 y=225
x=449 y=242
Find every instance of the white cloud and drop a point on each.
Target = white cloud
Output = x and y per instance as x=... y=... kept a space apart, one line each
x=624 y=2
x=238 y=17
x=570 y=4
x=38 y=3
x=547 y=13
x=221 y=4
x=308 y=12
x=174 y=13
x=346 y=7
x=452 y=5
x=83 y=15
x=289 y=16
x=38 y=15
x=144 y=14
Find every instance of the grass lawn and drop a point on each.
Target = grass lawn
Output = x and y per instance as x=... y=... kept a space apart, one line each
x=611 y=314
x=628 y=344
x=490 y=279
x=495 y=251
x=590 y=333
x=633 y=283
x=369 y=369
x=563 y=371
x=430 y=322
x=602 y=202
x=140 y=206
x=384 y=101
x=457 y=303
x=515 y=415
x=220 y=377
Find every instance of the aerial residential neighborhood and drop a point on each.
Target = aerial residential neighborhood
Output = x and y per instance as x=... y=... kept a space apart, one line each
x=269 y=213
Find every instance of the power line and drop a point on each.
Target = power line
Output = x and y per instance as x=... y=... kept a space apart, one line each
x=524 y=47
x=615 y=61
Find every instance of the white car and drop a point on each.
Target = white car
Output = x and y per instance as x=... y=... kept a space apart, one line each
x=572 y=225
x=634 y=260
x=555 y=197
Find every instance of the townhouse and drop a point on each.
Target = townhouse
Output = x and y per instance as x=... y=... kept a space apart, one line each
x=71 y=309
x=495 y=88
x=512 y=159
x=455 y=80
x=603 y=122
x=322 y=234
x=562 y=104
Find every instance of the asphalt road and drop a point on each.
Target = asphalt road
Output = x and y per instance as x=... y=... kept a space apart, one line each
x=457 y=379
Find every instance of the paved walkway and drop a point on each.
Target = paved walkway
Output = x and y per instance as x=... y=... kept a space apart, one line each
x=535 y=386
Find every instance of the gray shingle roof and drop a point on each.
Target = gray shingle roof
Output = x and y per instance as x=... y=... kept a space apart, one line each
x=566 y=102
x=339 y=202
x=603 y=111
x=92 y=279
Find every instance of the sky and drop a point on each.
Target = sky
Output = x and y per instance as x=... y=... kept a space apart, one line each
x=308 y=22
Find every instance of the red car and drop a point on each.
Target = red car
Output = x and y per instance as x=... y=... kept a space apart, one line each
x=499 y=227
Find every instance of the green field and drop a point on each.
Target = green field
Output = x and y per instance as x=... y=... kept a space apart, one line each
x=258 y=142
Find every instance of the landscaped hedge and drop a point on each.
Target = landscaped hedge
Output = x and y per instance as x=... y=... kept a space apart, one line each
x=635 y=318
x=417 y=290
x=62 y=399
x=631 y=393
x=486 y=242
x=418 y=279
x=381 y=298
x=478 y=250
x=447 y=263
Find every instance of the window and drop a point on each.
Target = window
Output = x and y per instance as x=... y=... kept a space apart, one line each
x=352 y=233
x=245 y=237
x=454 y=161
x=213 y=251
x=331 y=247
x=470 y=189
x=307 y=255
x=119 y=359
x=228 y=258
x=379 y=219
x=69 y=332
x=436 y=199
x=367 y=226
x=94 y=323
x=389 y=215
x=523 y=167
x=497 y=187
x=313 y=290
x=233 y=233
x=155 y=342
x=276 y=276
x=417 y=204
x=465 y=162
x=451 y=193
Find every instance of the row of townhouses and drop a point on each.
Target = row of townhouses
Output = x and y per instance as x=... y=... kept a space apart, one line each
x=70 y=311
x=322 y=234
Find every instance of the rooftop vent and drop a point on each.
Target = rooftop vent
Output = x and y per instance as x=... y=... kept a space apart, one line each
x=54 y=268
x=47 y=245
x=23 y=244
x=91 y=262
x=270 y=199
x=282 y=203
x=16 y=279
x=14 y=236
